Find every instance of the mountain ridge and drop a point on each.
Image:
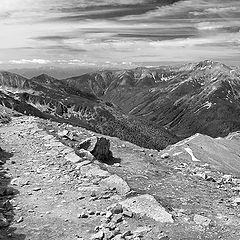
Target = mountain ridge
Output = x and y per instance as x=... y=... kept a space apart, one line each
x=178 y=100
x=47 y=97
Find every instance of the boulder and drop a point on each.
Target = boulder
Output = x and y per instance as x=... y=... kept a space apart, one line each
x=116 y=182
x=147 y=205
x=99 y=147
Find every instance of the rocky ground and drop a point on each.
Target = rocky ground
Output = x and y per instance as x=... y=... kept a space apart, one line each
x=49 y=192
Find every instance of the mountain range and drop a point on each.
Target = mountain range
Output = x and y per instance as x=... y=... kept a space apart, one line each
x=152 y=107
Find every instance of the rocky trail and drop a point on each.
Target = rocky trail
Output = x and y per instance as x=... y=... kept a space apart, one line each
x=50 y=189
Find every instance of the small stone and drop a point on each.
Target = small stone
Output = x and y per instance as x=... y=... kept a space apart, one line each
x=102 y=213
x=236 y=201
x=7 y=205
x=118 y=237
x=201 y=175
x=97 y=228
x=98 y=236
x=116 y=231
x=165 y=155
x=95 y=181
x=111 y=226
x=127 y=213
x=201 y=220
x=84 y=154
x=107 y=234
x=72 y=157
x=3 y=221
x=117 y=218
x=93 y=194
x=236 y=189
x=91 y=212
x=127 y=233
x=93 y=198
x=63 y=133
x=227 y=178
x=80 y=197
x=147 y=205
x=20 y=220
x=15 y=181
x=108 y=214
x=83 y=163
x=236 y=181
x=162 y=236
x=140 y=231
x=83 y=215
x=117 y=209
x=117 y=165
x=117 y=182
x=36 y=189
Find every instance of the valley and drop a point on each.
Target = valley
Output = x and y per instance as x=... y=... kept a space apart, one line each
x=173 y=170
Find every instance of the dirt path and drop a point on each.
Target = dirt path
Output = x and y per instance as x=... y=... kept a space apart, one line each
x=48 y=201
x=51 y=199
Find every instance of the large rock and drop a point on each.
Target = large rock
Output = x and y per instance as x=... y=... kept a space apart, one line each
x=147 y=205
x=99 y=147
x=117 y=182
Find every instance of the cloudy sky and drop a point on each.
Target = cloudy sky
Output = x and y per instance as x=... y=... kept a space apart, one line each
x=118 y=32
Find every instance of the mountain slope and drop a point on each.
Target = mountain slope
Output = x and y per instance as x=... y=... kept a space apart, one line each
x=202 y=97
x=46 y=97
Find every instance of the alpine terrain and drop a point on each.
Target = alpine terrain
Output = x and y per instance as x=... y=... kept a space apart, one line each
x=148 y=153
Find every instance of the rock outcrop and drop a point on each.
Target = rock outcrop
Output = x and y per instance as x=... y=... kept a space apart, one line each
x=99 y=147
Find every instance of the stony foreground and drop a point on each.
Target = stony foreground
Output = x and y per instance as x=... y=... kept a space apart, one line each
x=49 y=192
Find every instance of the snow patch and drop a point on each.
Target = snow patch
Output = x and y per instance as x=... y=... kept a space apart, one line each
x=177 y=153
x=206 y=105
x=190 y=152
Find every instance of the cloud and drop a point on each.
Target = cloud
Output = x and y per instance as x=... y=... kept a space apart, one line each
x=30 y=61
x=76 y=32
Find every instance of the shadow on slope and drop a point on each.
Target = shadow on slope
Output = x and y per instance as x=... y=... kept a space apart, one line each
x=7 y=193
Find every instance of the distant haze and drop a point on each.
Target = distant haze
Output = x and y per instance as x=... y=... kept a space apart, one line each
x=117 y=33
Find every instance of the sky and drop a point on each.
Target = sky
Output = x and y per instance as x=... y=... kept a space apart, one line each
x=118 y=33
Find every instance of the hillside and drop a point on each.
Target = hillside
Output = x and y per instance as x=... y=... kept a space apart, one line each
x=49 y=192
x=49 y=98
x=193 y=98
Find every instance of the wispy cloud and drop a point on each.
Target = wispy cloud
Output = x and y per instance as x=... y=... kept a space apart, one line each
x=30 y=61
x=117 y=32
